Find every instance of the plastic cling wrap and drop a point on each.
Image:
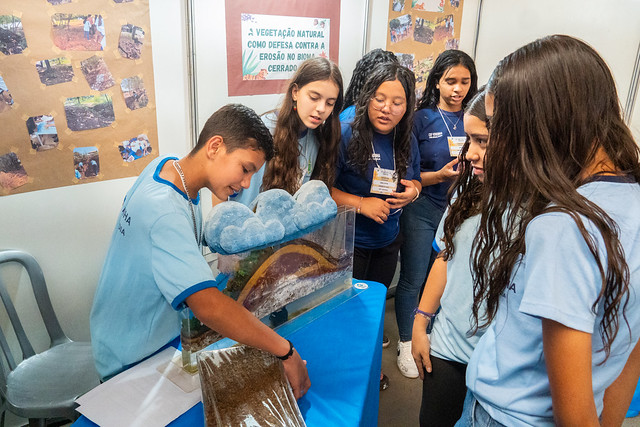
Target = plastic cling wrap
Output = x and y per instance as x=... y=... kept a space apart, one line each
x=243 y=386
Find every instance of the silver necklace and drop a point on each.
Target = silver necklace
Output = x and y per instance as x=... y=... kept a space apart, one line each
x=447 y=118
x=178 y=169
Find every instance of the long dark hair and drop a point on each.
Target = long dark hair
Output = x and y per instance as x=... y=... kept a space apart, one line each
x=283 y=171
x=466 y=187
x=555 y=106
x=362 y=71
x=445 y=61
x=360 y=149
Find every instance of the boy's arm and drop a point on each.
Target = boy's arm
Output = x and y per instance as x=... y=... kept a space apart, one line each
x=230 y=319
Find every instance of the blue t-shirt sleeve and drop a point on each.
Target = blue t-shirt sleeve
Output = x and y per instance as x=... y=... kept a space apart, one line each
x=561 y=278
x=438 y=241
x=178 y=266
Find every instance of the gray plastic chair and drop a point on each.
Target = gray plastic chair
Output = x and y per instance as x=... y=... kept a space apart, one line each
x=44 y=385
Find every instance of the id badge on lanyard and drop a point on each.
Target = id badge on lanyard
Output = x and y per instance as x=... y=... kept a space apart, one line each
x=455 y=144
x=385 y=181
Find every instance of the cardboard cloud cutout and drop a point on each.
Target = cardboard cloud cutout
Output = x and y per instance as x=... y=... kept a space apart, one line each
x=232 y=227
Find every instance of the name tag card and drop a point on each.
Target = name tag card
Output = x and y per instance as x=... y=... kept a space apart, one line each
x=455 y=144
x=384 y=181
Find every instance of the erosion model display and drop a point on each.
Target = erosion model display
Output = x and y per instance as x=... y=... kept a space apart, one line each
x=243 y=386
x=306 y=261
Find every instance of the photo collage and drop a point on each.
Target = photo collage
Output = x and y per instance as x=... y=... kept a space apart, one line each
x=419 y=30
x=89 y=67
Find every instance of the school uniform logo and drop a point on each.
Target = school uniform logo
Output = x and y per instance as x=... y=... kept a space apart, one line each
x=435 y=135
x=510 y=288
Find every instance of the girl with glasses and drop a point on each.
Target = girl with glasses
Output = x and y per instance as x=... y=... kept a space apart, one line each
x=378 y=170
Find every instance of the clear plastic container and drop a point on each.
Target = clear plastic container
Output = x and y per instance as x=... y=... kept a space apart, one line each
x=279 y=283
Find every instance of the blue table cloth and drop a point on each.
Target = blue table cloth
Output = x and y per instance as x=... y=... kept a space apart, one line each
x=341 y=342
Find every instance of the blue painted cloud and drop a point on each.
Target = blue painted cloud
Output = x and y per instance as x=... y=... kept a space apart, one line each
x=279 y=217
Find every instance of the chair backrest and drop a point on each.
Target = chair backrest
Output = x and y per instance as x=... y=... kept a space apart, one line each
x=41 y=295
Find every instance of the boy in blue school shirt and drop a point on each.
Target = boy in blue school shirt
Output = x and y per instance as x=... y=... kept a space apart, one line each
x=155 y=266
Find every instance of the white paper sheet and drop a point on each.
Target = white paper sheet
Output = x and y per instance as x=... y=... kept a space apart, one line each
x=140 y=396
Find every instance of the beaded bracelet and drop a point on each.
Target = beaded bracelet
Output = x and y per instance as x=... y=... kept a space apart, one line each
x=424 y=314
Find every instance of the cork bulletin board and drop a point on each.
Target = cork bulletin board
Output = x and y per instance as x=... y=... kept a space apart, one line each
x=77 y=99
x=419 y=30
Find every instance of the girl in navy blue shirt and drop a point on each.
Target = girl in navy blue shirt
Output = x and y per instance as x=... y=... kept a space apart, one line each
x=379 y=169
x=439 y=130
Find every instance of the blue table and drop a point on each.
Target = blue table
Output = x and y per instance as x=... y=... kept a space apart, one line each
x=341 y=341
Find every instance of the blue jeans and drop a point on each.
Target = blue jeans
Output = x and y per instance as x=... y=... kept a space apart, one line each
x=474 y=415
x=418 y=225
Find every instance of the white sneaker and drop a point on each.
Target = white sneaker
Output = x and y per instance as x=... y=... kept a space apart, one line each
x=406 y=364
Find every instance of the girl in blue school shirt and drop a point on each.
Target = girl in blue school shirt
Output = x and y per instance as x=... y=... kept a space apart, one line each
x=557 y=255
x=379 y=170
x=306 y=131
x=445 y=351
x=439 y=129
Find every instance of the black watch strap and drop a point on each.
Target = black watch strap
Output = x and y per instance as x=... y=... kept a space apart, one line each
x=288 y=355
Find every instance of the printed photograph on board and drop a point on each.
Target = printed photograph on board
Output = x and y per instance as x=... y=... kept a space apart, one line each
x=42 y=132
x=97 y=73
x=12 y=39
x=428 y=5
x=398 y=5
x=452 y=44
x=131 y=39
x=444 y=28
x=406 y=59
x=135 y=148
x=400 y=28
x=89 y=112
x=54 y=71
x=424 y=31
x=135 y=95
x=12 y=173
x=421 y=70
x=78 y=32
x=86 y=162
x=6 y=100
